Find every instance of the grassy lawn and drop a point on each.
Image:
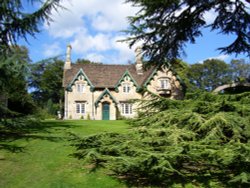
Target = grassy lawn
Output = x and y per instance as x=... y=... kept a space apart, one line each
x=43 y=158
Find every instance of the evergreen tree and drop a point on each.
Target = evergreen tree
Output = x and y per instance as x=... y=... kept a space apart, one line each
x=16 y=23
x=165 y=27
x=199 y=142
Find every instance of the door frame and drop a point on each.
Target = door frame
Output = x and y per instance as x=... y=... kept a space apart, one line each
x=105 y=103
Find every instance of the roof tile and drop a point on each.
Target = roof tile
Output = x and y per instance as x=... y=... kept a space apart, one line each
x=104 y=75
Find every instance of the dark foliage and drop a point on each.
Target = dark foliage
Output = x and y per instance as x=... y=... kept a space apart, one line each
x=15 y=23
x=165 y=27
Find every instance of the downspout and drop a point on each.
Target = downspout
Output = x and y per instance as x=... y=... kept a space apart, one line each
x=93 y=106
x=66 y=105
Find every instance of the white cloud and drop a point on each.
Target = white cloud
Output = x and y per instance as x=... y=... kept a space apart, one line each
x=210 y=16
x=222 y=57
x=95 y=57
x=125 y=54
x=85 y=43
x=65 y=25
x=92 y=27
x=51 y=50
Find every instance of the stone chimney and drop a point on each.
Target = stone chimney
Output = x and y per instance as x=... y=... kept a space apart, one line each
x=138 y=63
x=67 y=64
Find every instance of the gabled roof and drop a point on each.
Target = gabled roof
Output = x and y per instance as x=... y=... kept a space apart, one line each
x=80 y=73
x=105 y=92
x=105 y=76
x=123 y=78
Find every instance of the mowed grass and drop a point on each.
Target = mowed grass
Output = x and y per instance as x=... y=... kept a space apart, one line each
x=42 y=158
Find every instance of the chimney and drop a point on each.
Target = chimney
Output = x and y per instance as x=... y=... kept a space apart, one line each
x=67 y=64
x=138 y=63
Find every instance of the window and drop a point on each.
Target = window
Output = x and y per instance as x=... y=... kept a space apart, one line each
x=164 y=84
x=80 y=108
x=127 y=108
x=126 y=88
x=80 y=88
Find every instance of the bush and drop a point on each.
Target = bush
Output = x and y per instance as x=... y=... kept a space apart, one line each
x=44 y=114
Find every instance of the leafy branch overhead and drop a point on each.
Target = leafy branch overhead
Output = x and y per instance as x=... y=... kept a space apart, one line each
x=15 y=23
x=165 y=27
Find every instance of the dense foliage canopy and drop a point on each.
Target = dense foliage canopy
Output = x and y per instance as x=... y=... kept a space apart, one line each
x=16 y=22
x=202 y=141
x=164 y=27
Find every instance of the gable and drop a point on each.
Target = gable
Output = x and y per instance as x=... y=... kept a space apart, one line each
x=168 y=73
x=124 y=77
x=76 y=78
x=106 y=92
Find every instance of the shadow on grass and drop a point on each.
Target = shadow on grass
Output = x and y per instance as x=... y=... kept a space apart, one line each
x=52 y=131
x=12 y=148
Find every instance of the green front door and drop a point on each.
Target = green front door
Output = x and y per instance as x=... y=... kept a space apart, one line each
x=105 y=111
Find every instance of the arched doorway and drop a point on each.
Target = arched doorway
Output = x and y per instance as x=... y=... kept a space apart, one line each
x=105 y=111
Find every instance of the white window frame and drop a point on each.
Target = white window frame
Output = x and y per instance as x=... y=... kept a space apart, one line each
x=126 y=108
x=80 y=107
x=126 y=88
x=164 y=83
x=80 y=88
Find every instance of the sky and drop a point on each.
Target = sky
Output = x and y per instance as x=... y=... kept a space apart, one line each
x=93 y=28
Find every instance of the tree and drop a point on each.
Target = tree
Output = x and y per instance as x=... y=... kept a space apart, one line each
x=46 y=83
x=165 y=27
x=85 y=61
x=240 y=70
x=199 y=142
x=210 y=74
x=14 y=69
x=15 y=23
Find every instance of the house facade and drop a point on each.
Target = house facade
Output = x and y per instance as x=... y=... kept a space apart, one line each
x=105 y=92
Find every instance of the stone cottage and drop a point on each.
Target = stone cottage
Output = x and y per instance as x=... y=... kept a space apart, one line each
x=104 y=91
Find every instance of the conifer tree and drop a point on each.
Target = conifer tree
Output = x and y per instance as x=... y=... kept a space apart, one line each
x=166 y=26
x=191 y=143
x=16 y=23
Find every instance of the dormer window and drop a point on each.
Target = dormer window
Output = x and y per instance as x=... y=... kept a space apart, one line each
x=80 y=88
x=126 y=88
x=164 y=83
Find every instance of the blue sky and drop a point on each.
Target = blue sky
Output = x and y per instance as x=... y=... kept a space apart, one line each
x=92 y=27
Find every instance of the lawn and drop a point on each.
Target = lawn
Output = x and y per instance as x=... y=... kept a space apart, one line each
x=42 y=158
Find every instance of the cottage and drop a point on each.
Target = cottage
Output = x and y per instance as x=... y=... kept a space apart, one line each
x=104 y=92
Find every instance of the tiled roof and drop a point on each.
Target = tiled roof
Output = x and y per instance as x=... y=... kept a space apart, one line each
x=105 y=76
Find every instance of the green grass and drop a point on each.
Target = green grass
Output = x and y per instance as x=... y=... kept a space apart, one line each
x=42 y=158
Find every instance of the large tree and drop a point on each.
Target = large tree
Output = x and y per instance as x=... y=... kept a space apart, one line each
x=165 y=26
x=46 y=83
x=240 y=70
x=209 y=74
x=16 y=22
